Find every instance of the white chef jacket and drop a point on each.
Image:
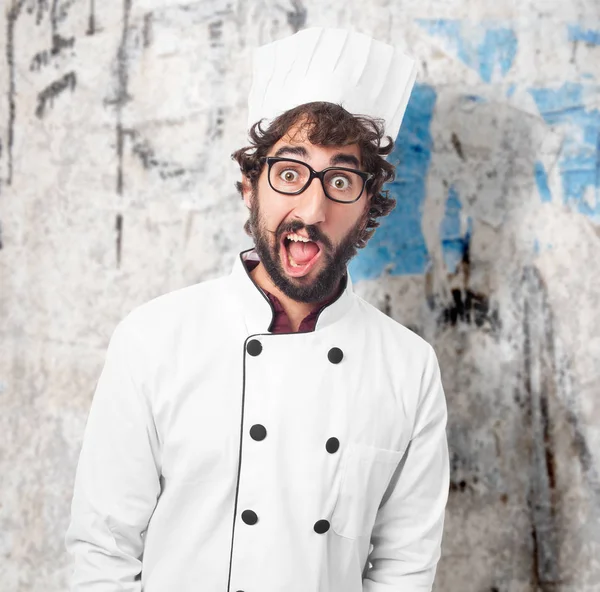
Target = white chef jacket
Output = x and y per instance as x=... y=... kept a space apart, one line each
x=218 y=457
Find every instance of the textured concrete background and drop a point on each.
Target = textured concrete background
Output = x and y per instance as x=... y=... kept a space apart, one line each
x=117 y=119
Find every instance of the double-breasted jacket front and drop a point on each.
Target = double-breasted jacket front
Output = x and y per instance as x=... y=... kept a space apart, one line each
x=220 y=457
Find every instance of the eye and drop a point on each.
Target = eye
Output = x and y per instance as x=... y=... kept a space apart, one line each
x=289 y=175
x=340 y=182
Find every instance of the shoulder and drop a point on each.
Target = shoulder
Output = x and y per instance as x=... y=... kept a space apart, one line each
x=397 y=336
x=167 y=315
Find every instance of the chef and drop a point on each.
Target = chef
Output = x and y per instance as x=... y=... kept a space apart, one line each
x=270 y=431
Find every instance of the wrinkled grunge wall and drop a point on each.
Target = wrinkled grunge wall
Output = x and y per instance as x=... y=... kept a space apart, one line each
x=117 y=119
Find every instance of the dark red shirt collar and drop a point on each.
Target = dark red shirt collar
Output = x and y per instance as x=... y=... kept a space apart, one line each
x=281 y=322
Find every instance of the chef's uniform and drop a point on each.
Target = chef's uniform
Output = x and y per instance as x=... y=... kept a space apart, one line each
x=220 y=457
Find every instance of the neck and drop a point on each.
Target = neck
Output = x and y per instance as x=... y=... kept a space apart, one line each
x=296 y=311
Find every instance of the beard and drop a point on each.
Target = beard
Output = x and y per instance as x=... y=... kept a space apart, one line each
x=335 y=257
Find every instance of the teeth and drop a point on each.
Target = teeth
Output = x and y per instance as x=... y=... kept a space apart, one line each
x=296 y=237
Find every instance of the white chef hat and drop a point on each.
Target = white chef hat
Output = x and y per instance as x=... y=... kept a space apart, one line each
x=365 y=76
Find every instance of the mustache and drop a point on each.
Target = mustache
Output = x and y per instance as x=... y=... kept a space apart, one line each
x=313 y=232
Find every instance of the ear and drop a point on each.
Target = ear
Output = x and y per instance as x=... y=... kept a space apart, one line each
x=246 y=191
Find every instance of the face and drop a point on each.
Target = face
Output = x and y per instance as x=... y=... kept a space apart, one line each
x=306 y=271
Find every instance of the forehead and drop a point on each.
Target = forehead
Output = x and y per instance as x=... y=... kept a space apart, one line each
x=298 y=134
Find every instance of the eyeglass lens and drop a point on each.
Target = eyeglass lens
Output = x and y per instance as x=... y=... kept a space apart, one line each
x=291 y=177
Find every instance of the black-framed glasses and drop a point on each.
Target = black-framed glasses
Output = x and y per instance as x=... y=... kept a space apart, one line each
x=292 y=177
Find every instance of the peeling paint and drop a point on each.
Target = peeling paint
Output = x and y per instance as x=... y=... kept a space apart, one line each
x=489 y=48
x=541 y=179
x=570 y=109
x=455 y=232
x=578 y=32
x=470 y=308
x=398 y=247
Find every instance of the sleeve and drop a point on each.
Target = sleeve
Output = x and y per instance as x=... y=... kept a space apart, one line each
x=117 y=481
x=407 y=535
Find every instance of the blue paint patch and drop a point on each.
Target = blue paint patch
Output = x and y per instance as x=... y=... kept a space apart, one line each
x=579 y=161
x=474 y=99
x=541 y=179
x=578 y=33
x=455 y=235
x=398 y=246
x=485 y=46
x=536 y=246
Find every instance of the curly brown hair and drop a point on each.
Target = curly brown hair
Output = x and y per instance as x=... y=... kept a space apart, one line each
x=327 y=124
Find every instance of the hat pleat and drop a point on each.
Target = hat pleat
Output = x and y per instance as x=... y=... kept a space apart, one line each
x=366 y=76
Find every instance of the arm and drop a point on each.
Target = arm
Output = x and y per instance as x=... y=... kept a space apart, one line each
x=407 y=534
x=117 y=479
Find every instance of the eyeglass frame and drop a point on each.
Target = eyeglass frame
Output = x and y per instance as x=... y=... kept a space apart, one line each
x=270 y=160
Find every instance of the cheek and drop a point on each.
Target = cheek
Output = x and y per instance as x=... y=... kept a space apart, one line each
x=348 y=217
x=274 y=207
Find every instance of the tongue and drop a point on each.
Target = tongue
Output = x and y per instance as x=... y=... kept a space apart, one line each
x=303 y=252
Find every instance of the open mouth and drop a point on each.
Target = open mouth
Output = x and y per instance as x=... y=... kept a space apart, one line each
x=298 y=254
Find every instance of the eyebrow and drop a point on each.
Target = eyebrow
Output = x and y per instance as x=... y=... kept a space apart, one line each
x=345 y=159
x=341 y=158
x=293 y=150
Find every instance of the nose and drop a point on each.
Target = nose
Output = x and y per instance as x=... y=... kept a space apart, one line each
x=312 y=204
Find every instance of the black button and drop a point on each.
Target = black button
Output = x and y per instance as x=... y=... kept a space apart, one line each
x=258 y=432
x=249 y=517
x=254 y=347
x=335 y=355
x=332 y=445
x=321 y=526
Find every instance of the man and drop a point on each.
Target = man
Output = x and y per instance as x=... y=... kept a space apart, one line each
x=270 y=431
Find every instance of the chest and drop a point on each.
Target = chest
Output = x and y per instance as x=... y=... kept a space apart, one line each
x=307 y=398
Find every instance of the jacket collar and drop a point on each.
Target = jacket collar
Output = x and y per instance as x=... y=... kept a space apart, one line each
x=257 y=309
